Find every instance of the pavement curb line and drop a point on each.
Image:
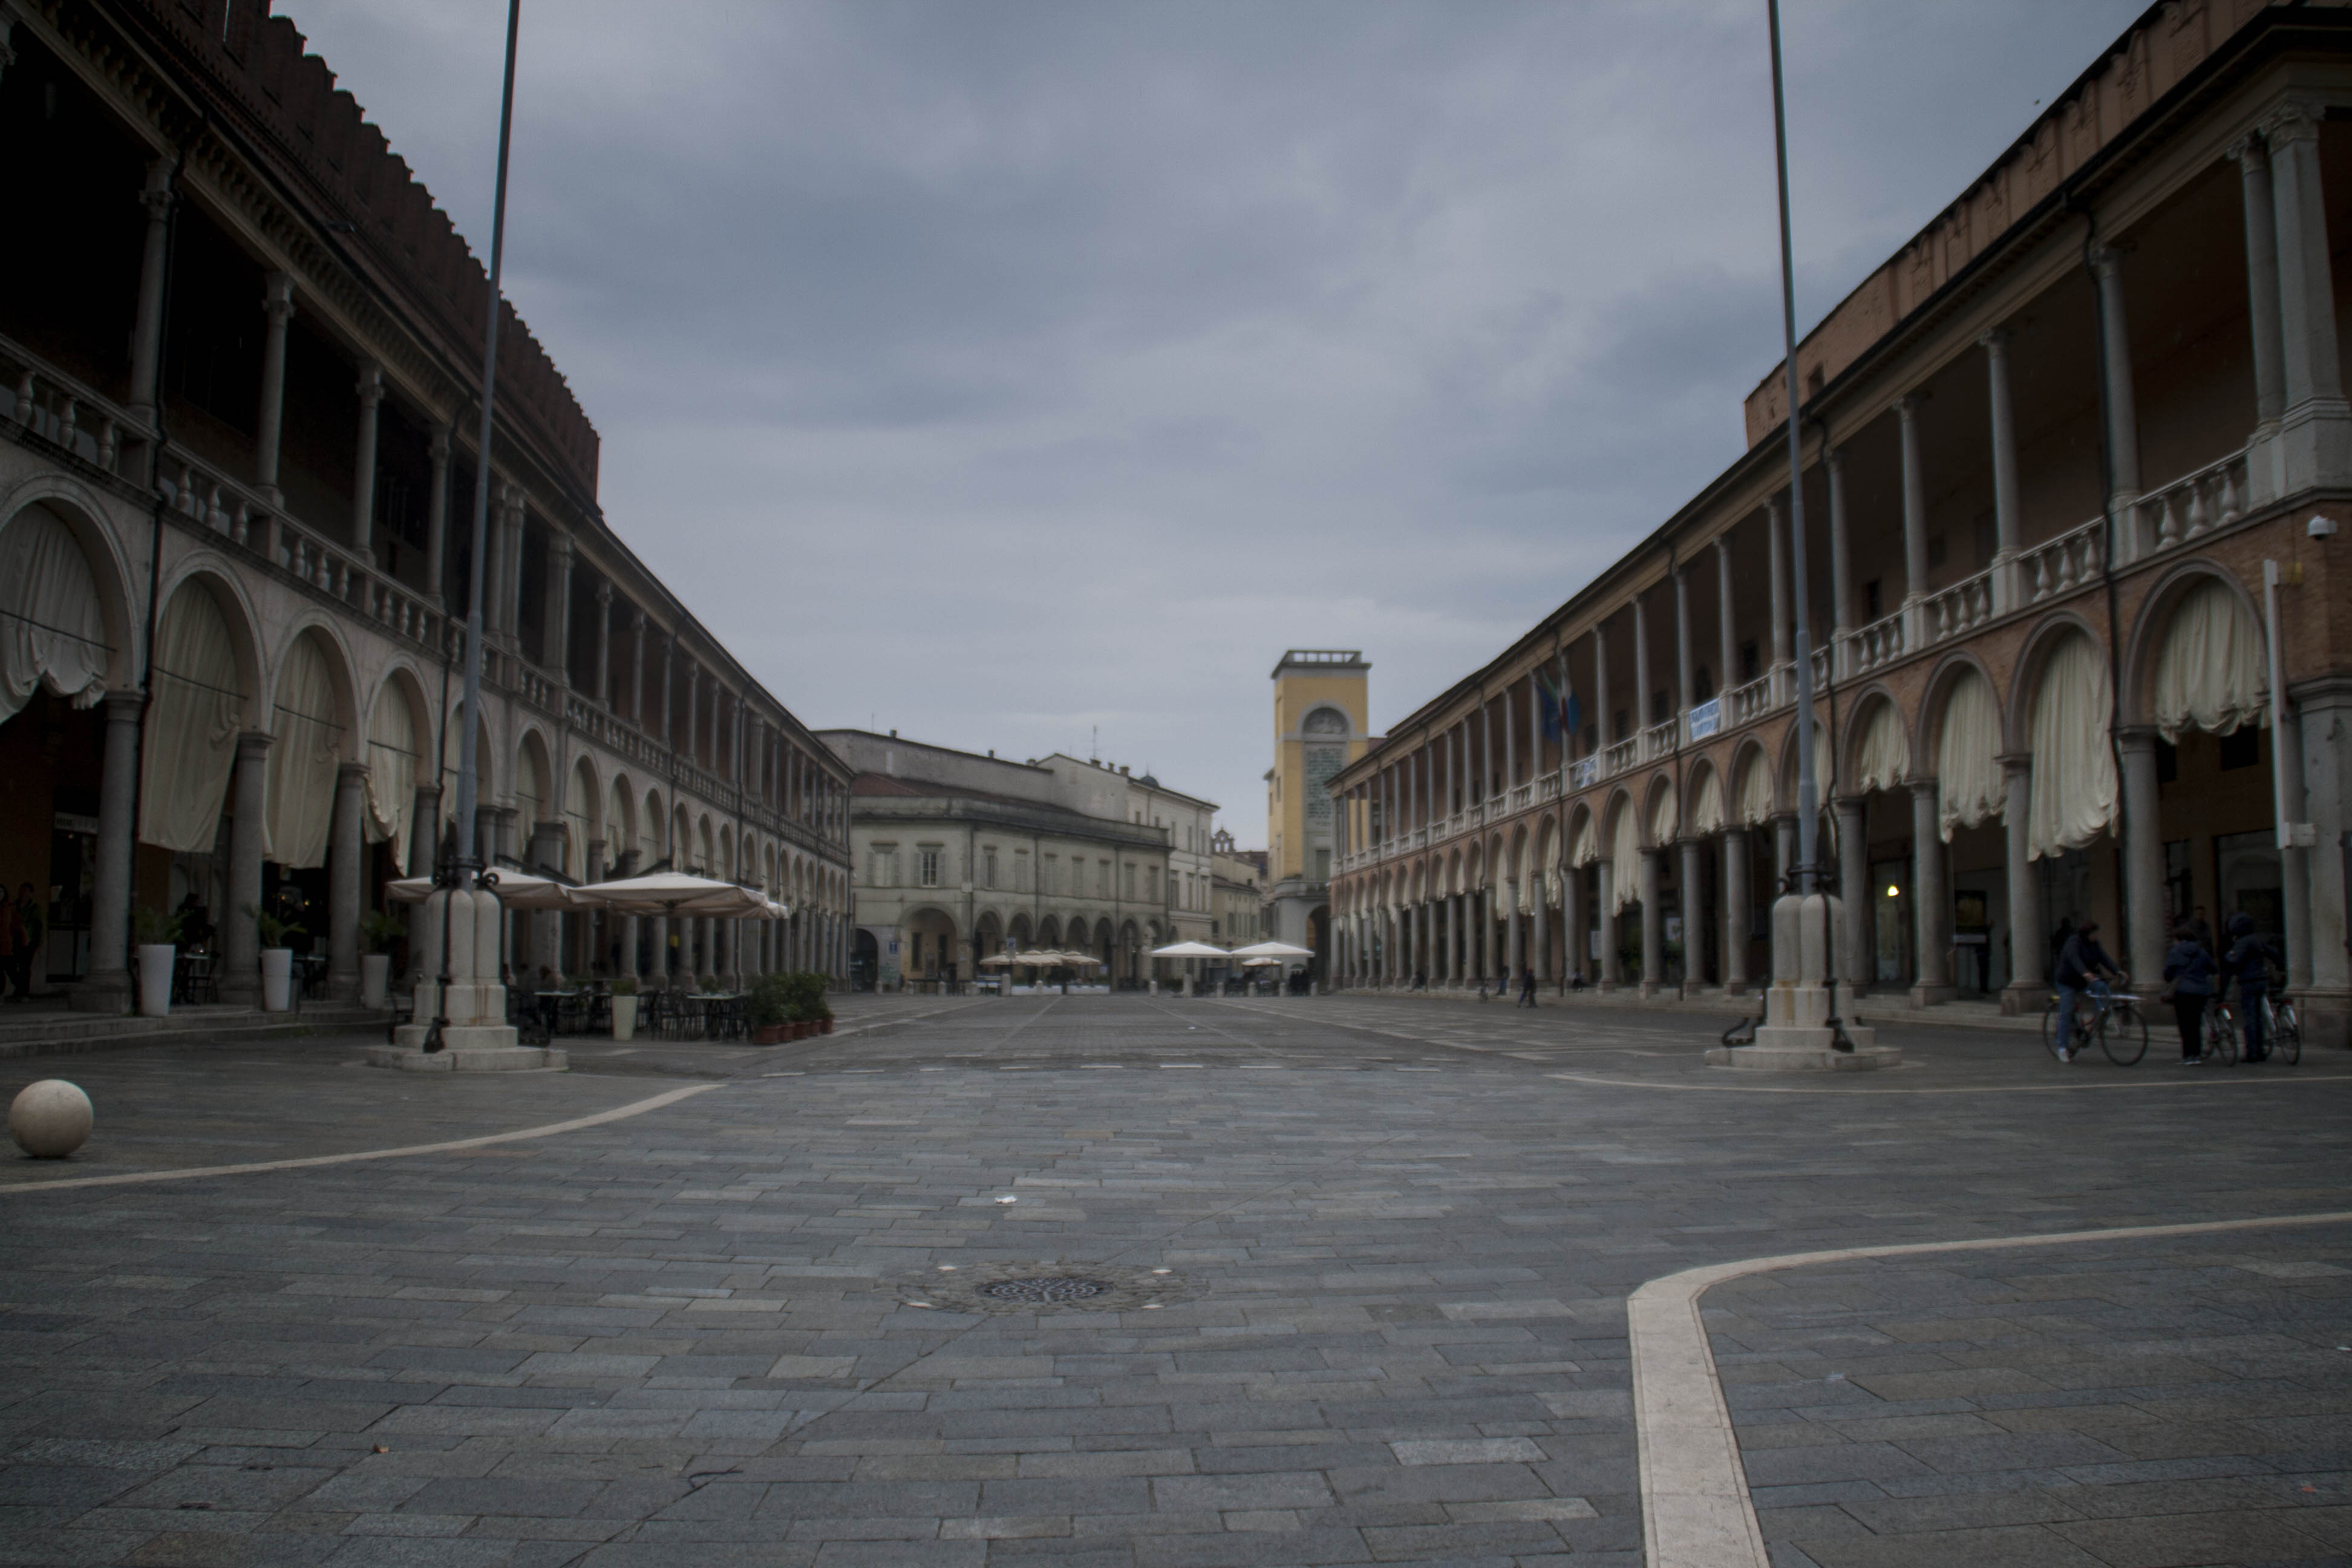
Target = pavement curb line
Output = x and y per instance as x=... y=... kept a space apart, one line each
x=618 y=1113
x=1696 y=1511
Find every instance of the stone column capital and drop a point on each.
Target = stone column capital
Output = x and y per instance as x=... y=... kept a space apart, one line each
x=1995 y=341
x=1924 y=788
x=2106 y=262
x=158 y=195
x=2250 y=153
x=1907 y=408
x=2015 y=763
x=2296 y=120
x=370 y=384
x=252 y=745
x=559 y=550
x=438 y=444
x=125 y=706
x=278 y=297
x=605 y=594
x=2136 y=737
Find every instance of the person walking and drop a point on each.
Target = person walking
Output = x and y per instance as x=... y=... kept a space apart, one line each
x=1528 y=986
x=2189 y=970
x=2248 y=963
x=2079 y=961
x=29 y=923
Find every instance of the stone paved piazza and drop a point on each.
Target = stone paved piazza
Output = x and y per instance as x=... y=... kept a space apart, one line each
x=742 y=1327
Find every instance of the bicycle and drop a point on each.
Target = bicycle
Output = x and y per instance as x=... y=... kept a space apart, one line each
x=2282 y=1028
x=2220 y=1033
x=2116 y=1019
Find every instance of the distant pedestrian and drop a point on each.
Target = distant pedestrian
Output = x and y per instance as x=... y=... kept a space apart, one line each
x=2203 y=929
x=1528 y=986
x=28 y=924
x=2189 y=970
x=2248 y=963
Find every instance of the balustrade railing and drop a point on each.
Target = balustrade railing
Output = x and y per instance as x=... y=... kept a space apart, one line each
x=1659 y=740
x=1750 y=702
x=1523 y=795
x=1949 y=612
x=2062 y=564
x=2193 y=505
x=1620 y=755
x=1877 y=643
x=1548 y=787
x=55 y=407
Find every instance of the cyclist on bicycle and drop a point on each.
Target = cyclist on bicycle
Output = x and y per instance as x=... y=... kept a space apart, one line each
x=2248 y=962
x=2080 y=963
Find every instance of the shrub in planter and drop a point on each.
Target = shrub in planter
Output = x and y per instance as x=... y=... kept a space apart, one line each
x=158 y=950
x=805 y=989
x=378 y=931
x=769 y=1008
x=277 y=958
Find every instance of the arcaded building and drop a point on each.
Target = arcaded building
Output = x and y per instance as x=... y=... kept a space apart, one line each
x=2075 y=464
x=239 y=397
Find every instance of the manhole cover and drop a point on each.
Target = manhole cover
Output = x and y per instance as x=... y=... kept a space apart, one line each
x=1043 y=1285
x=1047 y=1288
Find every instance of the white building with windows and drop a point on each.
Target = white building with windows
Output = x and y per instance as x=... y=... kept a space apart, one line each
x=959 y=855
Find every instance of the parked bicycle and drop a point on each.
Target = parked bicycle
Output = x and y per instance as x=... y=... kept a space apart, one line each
x=2220 y=1038
x=2282 y=1027
x=2114 y=1018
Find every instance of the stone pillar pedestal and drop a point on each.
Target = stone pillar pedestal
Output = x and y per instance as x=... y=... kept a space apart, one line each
x=1795 y=1035
x=463 y=924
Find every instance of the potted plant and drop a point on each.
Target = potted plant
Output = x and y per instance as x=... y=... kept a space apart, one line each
x=625 y=1009
x=158 y=950
x=771 y=1008
x=277 y=959
x=378 y=931
x=809 y=1005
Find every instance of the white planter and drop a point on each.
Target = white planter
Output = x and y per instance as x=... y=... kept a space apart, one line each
x=277 y=979
x=156 y=978
x=625 y=1017
x=375 y=979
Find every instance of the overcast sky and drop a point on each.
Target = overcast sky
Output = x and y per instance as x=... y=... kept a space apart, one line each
x=996 y=371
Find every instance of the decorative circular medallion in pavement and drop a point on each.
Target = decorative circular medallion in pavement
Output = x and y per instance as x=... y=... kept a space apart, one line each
x=1048 y=1287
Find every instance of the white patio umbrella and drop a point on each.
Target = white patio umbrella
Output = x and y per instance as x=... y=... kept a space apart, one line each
x=1081 y=960
x=1273 y=949
x=1259 y=963
x=516 y=890
x=674 y=893
x=1187 y=950
x=998 y=961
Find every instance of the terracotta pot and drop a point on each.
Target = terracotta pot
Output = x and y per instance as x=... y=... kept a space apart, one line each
x=824 y=1025
x=771 y=1034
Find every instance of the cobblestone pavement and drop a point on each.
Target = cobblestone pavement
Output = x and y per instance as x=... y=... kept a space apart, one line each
x=781 y=1323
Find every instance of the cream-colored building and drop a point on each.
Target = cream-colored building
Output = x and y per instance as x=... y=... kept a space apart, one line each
x=1238 y=876
x=1320 y=723
x=2075 y=462
x=960 y=856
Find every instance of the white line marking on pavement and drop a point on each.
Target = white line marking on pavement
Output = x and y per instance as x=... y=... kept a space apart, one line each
x=1696 y=1511
x=2245 y=1082
x=618 y=1113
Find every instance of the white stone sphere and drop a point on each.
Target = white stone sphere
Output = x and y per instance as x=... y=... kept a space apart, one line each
x=51 y=1118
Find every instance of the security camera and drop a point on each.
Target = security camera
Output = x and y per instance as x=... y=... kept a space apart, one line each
x=2320 y=527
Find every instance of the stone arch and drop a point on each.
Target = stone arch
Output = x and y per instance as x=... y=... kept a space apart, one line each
x=1825 y=768
x=2155 y=621
x=1325 y=718
x=534 y=789
x=399 y=743
x=314 y=714
x=706 y=843
x=653 y=831
x=1049 y=933
x=1583 y=834
x=1660 y=811
x=207 y=687
x=584 y=814
x=1927 y=726
x=1751 y=784
x=73 y=506
x=2025 y=677
x=1859 y=718
x=1707 y=808
x=620 y=819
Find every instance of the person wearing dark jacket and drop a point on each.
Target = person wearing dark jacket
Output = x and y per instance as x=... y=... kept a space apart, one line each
x=2190 y=970
x=1528 y=986
x=2248 y=963
x=2079 y=961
